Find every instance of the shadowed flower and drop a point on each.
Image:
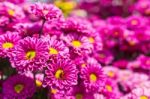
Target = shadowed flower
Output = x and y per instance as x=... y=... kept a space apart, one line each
x=78 y=92
x=18 y=87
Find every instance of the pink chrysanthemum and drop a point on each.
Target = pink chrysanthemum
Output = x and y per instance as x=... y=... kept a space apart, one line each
x=18 y=87
x=110 y=89
x=93 y=77
x=104 y=57
x=12 y=11
x=77 y=25
x=46 y=11
x=7 y=43
x=144 y=62
x=79 y=43
x=56 y=47
x=61 y=74
x=78 y=92
x=30 y=55
x=4 y=20
x=111 y=72
x=95 y=39
x=140 y=93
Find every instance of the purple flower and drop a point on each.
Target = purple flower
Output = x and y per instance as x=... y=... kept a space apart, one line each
x=4 y=20
x=30 y=55
x=56 y=47
x=18 y=86
x=95 y=39
x=46 y=11
x=7 y=43
x=61 y=73
x=110 y=89
x=93 y=77
x=105 y=57
x=116 y=20
x=111 y=72
x=78 y=92
x=79 y=43
x=144 y=62
x=11 y=10
x=77 y=25
x=134 y=22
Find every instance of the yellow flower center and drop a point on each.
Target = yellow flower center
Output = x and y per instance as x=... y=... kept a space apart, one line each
x=38 y=83
x=109 y=88
x=116 y=33
x=76 y=43
x=53 y=91
x=91 y=40
x=93 y=77
x=18 y=88
x=53 y=51
x=134 y=22
x=83 y=65
x=7 y=45
x=30 y=55
x=79 y=96
x=101 y=55
x=111 y=74
x=11 y=12
x=143 y=97
x=59 y=74
x=132 y=43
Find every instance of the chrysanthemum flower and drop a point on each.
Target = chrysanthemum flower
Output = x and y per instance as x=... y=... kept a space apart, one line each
x=12 y=11
x=53 y=28
x=46 y=11
x=93 y=77
x=144 y=62
x=77 y=25
x=56 y=47
x=116 y=20
x=61 y=74
x=140 y=93
x=79 y=92
x=142 y=6
x=7 y=43
x=135 y=80
x=79 y=43
x=18 y=87
x=30 y=55
x=95 y=39
x=111 y=72
x=4 y=20
x=110 y=89
x=84 y=61
x=134 y=22
x=104 y=57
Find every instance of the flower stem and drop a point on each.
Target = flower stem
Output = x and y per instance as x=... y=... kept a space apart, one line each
x=41 y=30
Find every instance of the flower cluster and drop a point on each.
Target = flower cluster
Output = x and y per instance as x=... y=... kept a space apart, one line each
x=46 y=52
